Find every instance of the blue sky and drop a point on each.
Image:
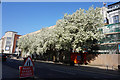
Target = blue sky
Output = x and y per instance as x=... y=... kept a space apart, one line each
x=27 y=17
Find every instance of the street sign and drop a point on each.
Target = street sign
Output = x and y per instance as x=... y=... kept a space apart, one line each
x=26 y=71
x=28 y=62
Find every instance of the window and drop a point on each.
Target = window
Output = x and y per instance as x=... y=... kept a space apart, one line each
x=110 y=7
x=8 y=38
x=8 y=42
x=116 y=19
x=114 y=36
x=7 y=48
x=117 y=6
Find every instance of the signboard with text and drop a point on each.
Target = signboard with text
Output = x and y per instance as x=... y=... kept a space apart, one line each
x=26 y=71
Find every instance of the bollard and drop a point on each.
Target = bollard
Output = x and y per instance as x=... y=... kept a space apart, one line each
x=119 y=68
x=112 y=68
x=107 y=67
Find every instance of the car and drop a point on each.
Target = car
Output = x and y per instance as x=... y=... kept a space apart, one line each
x=3 y=57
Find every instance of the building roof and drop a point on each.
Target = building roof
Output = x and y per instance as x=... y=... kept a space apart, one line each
x=114 y=4
x=11 y=31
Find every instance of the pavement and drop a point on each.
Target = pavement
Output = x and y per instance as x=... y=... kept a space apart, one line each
x=88 y=65
x=76 y=65
x=100 y=67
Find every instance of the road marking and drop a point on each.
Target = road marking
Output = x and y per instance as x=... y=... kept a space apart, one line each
x=62 y=71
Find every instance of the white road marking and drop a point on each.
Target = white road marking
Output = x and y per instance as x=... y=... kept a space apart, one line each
x=62 y=71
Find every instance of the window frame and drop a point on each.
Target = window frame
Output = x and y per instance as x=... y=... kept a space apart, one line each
x=116 y=19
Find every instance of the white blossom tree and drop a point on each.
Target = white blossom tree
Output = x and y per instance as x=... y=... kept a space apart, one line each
x=80 y=28
x=74 y=31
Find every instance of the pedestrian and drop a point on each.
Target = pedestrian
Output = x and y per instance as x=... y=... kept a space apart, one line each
x=32 y=57
x=35 y=56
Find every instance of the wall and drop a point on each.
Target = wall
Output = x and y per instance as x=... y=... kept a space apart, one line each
x=15 y=40
x=106 y=59
x=0 y=45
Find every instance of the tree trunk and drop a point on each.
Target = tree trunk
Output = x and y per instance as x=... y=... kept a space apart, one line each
x=58 y=53
x=53 y=58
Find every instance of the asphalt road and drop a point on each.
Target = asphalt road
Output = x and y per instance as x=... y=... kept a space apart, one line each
x=44 y=71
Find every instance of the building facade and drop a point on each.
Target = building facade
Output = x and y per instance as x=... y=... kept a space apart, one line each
x=111 y=14
x=114 y=13
x=8 y=42
x=109 y=47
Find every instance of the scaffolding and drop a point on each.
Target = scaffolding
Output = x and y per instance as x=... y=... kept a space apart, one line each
x=110 y=43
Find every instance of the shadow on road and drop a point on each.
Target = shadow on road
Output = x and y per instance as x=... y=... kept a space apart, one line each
x=44 y=70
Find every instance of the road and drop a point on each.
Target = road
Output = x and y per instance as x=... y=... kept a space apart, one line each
x=44 y=71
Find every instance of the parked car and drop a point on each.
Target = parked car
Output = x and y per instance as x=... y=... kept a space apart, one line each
x=3 y=57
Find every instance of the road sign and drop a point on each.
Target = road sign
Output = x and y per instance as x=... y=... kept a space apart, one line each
x=26 y=71
x=28 y=62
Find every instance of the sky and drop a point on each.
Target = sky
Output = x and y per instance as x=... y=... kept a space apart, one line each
x=27 y=17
